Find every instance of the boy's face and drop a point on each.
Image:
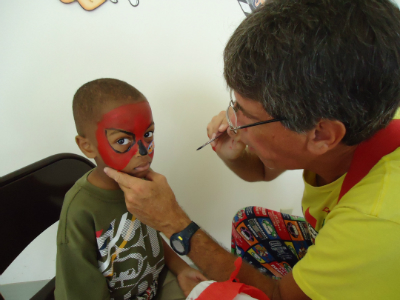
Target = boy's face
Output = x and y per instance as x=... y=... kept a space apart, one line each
x=125 y=138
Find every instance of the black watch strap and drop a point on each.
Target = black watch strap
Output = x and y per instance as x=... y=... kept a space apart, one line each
x=180 y=241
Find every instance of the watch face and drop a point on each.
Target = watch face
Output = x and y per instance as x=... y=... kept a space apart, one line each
x=178 y=246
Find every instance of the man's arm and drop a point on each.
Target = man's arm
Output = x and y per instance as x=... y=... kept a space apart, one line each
x=187 y=276
x=218 y=264
x=154 y=204
x=174 y=263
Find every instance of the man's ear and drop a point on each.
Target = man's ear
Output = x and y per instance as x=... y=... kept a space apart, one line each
x=326 y=135
x=86 y=146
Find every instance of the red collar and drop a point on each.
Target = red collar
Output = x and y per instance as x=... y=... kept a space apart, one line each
x=368 y=154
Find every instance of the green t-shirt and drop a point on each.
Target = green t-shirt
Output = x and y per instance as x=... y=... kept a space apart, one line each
x=103 y=252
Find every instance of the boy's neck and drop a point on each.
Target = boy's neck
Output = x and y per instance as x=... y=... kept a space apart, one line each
x=99 y=179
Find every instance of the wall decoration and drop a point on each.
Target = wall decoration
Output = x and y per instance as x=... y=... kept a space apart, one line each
x=92 y=4
x=248 y=6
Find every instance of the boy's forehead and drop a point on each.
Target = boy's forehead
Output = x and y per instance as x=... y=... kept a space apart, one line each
x=118 y=104
x=132 y=116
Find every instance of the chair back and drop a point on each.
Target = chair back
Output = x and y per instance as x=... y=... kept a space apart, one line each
x=31 y=199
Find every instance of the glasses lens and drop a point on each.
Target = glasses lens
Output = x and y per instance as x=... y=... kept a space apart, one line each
x=231 y=116
x=121 y=141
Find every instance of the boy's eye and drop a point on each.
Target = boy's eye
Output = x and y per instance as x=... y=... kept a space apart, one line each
x=148 y=134
x=124 y=141
x=120 y=140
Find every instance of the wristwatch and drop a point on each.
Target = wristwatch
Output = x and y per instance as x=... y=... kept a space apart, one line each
x=180 y=241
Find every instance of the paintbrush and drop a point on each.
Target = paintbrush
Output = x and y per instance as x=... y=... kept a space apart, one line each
x=211 y=140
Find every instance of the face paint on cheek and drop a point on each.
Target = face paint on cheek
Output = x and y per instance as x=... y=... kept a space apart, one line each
x=135 y=118
x=150 y=149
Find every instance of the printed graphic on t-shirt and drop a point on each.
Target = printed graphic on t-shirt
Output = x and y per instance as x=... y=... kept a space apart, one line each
x=271 y=241
x=129 y=252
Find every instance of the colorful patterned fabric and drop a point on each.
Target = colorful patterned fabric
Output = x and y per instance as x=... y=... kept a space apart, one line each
x=271 y=241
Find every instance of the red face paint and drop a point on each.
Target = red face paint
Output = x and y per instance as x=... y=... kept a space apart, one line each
x=133 y=118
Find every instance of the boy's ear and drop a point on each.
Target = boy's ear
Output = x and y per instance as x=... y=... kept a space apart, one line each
x=86 y=146
x=326 y=135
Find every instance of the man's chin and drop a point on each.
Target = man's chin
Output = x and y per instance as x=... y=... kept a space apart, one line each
x=251 y=149
x=268 y=164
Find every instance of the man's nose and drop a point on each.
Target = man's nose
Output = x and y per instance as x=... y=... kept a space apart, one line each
x=142 y=149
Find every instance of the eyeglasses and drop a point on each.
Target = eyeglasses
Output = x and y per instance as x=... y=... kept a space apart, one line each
x=232 y=122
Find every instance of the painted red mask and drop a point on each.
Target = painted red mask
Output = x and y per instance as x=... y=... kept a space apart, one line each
x=132 y=119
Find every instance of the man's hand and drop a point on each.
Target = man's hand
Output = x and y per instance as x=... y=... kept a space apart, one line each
x=189 y=278
x=151 y=201
x=228 y=146
x=234 y=154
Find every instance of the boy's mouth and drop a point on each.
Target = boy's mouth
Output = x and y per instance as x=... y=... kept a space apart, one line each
x=142 y=167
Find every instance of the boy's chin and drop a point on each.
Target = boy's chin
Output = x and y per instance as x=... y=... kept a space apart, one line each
x=140 y=174
x=140 y=171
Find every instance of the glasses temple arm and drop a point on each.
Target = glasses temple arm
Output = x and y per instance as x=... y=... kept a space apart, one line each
x=261 y=122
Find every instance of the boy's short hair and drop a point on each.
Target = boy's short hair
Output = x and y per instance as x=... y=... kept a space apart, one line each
x=307 y=60
x=90 y=97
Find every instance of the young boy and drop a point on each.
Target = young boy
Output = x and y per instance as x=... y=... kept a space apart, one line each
x=103 y=252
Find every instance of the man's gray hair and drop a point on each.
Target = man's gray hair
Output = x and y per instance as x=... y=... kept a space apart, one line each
x=307 y=60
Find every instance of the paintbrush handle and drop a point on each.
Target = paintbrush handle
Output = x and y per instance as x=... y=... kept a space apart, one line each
x=210 y=141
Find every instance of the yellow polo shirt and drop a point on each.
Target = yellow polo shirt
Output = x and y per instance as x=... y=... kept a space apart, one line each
x=357 y=246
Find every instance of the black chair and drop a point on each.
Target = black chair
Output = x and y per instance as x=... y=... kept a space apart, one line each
x=31 y=199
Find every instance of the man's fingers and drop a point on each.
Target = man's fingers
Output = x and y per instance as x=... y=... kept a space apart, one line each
x=124 y=189
x=201 y=277
x=223 y=127
x=124 y=180
x=151 y=175
x=216 y=123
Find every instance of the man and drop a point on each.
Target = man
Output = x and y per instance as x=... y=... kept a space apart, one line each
x=319 y=83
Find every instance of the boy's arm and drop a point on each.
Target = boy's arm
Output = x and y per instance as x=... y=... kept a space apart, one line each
x=78 y=276
x=77 y=271
x=188 y=277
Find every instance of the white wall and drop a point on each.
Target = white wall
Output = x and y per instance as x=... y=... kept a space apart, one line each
x=169 y=50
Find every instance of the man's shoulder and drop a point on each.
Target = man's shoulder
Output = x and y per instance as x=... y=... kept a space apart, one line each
x=383 y=179
x=377 y=193
x=388 y=204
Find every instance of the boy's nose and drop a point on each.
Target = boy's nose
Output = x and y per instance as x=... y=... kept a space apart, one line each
x=142 y=149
